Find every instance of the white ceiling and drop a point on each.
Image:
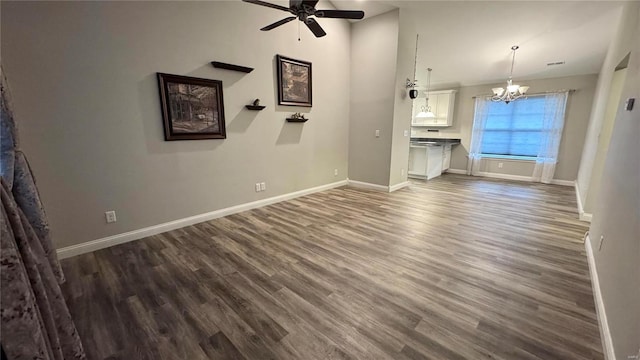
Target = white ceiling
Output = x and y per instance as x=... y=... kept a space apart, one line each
x=469 y=42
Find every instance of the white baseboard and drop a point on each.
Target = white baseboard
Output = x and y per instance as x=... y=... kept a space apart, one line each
x=563 y=182
x=456 y=171
x=399 y=186
x=366 y=185
x=584 y=216
x=605 y=334
x=506 y=176
x=515 y=177
x=109 y=241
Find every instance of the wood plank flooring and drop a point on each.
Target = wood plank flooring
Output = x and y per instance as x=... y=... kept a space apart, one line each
x=453 y=268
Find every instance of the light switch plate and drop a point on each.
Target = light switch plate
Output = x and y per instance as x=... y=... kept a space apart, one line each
x=629 y=104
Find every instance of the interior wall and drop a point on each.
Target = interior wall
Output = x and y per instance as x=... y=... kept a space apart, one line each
x=605 y=137
x=616 y=213
x=374 y=44
x=403 y=104
x=83 y=77
x=573 y=135
x=618 y=49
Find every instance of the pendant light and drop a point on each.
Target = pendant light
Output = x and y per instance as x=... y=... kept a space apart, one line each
x=425 y=111
x=513 y=92
x=413 y=93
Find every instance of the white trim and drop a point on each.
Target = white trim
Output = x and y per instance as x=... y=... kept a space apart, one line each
x=506 y=176
x=366 y=185
x=108 y=241
x=584 y=216
x=605 y=334
x=562 y=182
x=399 y=186
x=511 y=177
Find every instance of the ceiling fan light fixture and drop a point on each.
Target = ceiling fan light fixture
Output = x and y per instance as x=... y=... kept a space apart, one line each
x=513 y=91
x=302 y=10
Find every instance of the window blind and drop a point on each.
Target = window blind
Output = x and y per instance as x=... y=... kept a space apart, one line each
x=514 y=129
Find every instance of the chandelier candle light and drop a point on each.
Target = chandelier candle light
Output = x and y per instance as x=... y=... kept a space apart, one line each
x=425 y=111
x=513 y=92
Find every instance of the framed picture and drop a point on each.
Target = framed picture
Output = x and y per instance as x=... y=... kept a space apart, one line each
x=192 y=108
x=294 y=82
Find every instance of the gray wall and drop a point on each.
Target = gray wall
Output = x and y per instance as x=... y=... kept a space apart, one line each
x=616 y=213
x=83 y=76
x=374 y=44
x=402 y=104
x=575 y=127
x=618 y=49
x=604 y=139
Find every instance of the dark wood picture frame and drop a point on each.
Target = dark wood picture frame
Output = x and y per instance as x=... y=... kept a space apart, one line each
x=294 y=82
x=192 y=108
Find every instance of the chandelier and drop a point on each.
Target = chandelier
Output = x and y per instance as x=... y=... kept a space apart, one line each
x=513 y=92
x=425 y=110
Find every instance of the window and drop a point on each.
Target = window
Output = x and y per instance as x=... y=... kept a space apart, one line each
x=514 y=129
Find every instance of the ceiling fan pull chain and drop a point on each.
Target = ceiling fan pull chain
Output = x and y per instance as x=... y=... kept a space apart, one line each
x=298 y=30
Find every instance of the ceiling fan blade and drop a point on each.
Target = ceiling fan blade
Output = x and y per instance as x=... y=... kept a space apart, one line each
x=340 y=14
x=315 y=28
x=278 y=23
x=274 y=6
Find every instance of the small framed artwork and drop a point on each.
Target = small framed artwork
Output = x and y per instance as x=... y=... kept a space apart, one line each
x=294 y=81
x=192 y=108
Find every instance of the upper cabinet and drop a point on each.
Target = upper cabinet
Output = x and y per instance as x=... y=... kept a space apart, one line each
x=442 y=106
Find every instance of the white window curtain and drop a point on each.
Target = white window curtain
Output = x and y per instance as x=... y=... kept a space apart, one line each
x=553 y=123
x=547 y=157
x=479 y=124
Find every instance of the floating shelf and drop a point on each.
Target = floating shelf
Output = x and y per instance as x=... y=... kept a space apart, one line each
x=296 y=120
x=221 y=65
x=255 y=107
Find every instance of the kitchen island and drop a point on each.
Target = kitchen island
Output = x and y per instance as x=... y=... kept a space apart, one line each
x=429 y=157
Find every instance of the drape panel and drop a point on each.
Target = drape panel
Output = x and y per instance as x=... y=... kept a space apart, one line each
x=552 y=125
x=36 y=323
x=479 y=124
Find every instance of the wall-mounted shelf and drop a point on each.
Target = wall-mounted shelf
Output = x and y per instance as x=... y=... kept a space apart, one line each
x=296 y=120
x=221 y=65
x=255 y=107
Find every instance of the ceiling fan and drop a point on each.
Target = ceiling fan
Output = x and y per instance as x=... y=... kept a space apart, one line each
x=303 y=9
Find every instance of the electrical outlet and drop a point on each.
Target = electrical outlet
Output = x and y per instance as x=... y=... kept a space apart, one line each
x=601 y=242
x=335 y=172
x=500 y=165
x=263 y=186
x=257 y=187
x=110 y=216
x=406 y=133
x=402 y=172
x=377 y=133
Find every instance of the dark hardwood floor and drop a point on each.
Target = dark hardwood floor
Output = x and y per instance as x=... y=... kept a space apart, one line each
x=453 y=268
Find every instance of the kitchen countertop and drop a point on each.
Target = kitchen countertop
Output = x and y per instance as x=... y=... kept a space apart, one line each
x=435 y=141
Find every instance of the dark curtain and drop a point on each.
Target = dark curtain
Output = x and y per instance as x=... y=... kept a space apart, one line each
x=36 y=323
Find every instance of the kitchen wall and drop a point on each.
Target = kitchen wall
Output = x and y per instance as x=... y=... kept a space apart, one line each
x=576 y=122
x=83 y=77
x=616 y=212
x=374 y=44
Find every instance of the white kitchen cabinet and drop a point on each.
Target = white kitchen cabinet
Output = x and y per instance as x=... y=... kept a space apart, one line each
x=446 y=157
x=425 y=161
x=442 y=105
